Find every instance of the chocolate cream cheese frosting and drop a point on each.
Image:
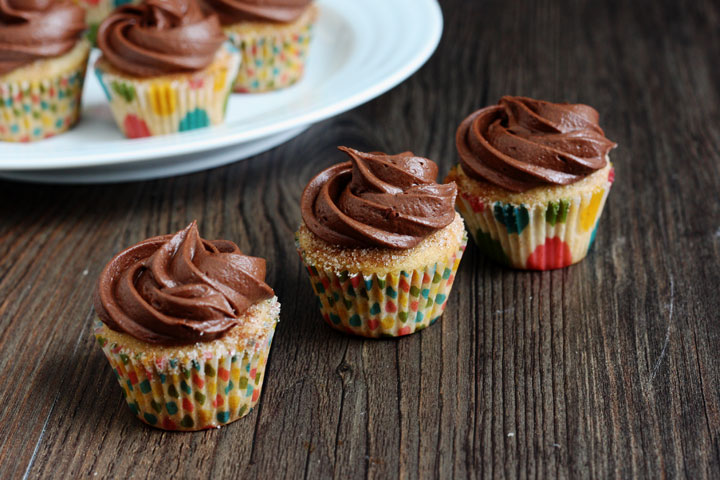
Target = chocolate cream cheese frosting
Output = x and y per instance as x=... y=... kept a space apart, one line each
x=523 y=143
x=279 y=11
x=160 y=37
x=378 y=200
x=35 y=29
x=179 y=289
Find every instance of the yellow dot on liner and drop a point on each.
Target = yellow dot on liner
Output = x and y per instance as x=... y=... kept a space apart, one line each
x=589 y=213
x=388 y=322
x=162 y=98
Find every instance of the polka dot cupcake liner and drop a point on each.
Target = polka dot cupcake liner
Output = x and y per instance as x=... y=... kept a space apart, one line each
x=272 y=58
x=170 y=104
x=39 y=108
x=537 y=237
x=97 y=10
x=388 y=305
x=208 y=390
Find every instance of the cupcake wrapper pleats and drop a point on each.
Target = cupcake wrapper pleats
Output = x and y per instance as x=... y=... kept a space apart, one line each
x=41 y=108
x=148 y=107
x=271 y=62
x=539 y=237
x=390 y=305
x=192 y=394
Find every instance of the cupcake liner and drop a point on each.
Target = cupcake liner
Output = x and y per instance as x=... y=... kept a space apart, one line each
x=159 y=106
x=209 y=391
x=389 y=305
x=275 y=60
x=39 y=108
x=97 y=10
x=537 y=237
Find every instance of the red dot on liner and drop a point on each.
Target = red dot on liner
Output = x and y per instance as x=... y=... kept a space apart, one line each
x=554 y=253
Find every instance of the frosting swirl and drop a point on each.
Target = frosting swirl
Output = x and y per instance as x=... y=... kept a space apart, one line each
x=179 y=289
x=279 y=11
x=160 y=37
x=34 y=29
x=523 y=143
x=378 y=200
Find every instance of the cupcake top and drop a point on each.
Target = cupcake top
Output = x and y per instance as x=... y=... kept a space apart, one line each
x=160 y=37
x=179 y=289
x=35 y=29
x=523 y=143
x=279 y=11
x=378 y=200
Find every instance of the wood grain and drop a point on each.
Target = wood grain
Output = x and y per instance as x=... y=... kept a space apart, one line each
x=605 y=369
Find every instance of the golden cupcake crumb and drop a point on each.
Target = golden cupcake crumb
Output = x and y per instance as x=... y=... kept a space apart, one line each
x=261 y=29
x=490 y=193
x=50 y=67
x=380 y=261
x=257 y=324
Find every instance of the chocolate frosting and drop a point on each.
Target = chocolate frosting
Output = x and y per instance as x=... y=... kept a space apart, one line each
x=523 y=143
x=179 y=289
x=160 y=37
x=34 y=29
x=378 y=200
x=279 y=11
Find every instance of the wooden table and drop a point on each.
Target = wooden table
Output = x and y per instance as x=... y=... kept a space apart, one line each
x=609 y=368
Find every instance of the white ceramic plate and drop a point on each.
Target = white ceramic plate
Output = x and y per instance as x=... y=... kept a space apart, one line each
x=360 y=50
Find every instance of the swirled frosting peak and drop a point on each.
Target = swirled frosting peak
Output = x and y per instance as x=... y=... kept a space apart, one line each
x=523 y=143
x=378 y=200
x=179 y=289
x=35 y=29
x=160 y=37
x=279 y=11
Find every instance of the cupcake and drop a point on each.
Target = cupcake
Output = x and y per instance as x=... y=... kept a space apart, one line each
x=165 y=67
x=97 y=10
x=381 y=242
x=533 y=179
x=42 y=68
x=186 y=325
x=273 y=37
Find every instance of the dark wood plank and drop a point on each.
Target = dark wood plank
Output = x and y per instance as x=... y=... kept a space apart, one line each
x=605 y=369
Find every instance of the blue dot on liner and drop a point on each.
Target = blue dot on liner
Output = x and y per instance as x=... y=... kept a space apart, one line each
x=99 y=75
x=171 y=407
x=197 y=118
x=150 y=418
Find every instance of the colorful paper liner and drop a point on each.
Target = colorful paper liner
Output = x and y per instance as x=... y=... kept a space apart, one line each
x=540 y=237
x=97 y=10
x=271 y=62
x=391 y=305
x=35 y=109
x=149 y=107
x=190 y=395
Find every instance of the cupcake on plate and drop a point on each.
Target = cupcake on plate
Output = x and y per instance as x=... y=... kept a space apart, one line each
x=42 y=68
x=97 y=10
x=533 y=179
x=381 y=242
x=165 y=67
x=273 y=36
x=186 y=324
